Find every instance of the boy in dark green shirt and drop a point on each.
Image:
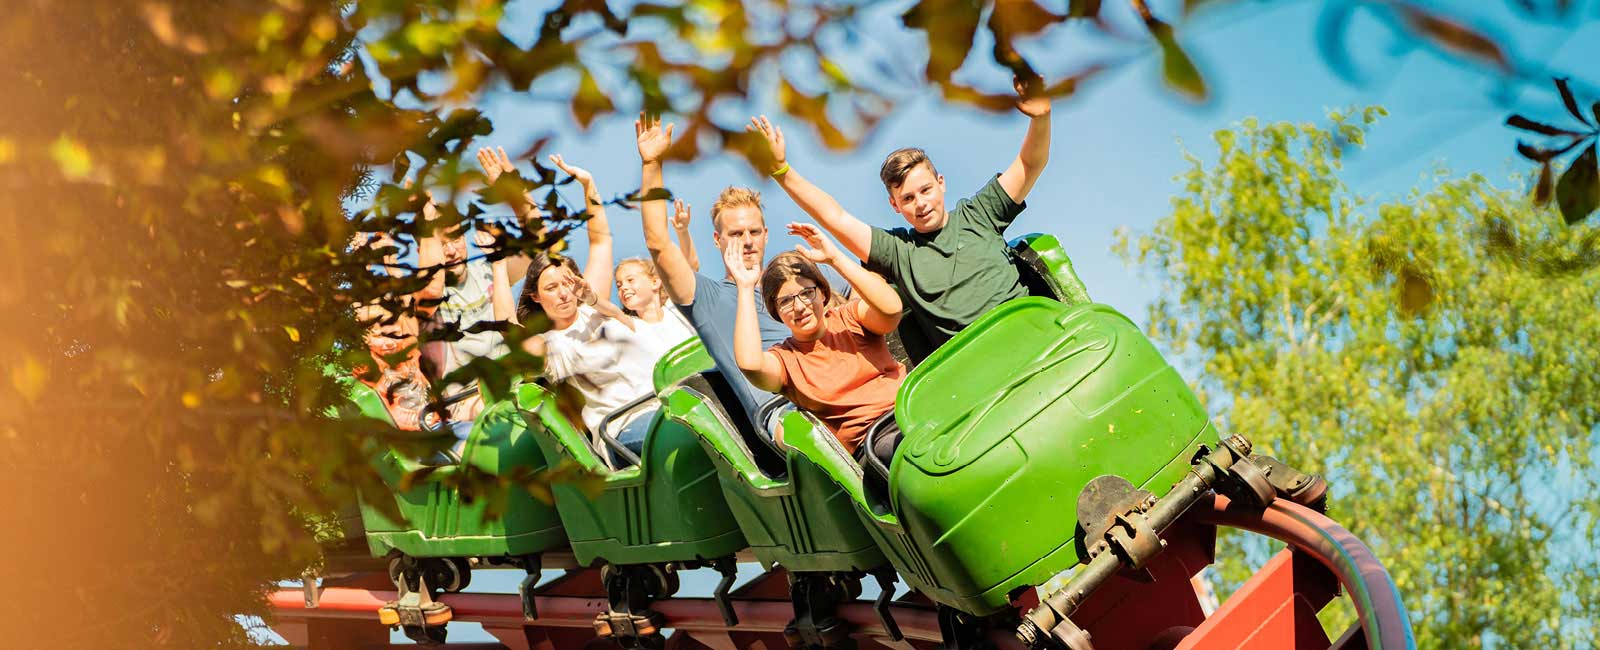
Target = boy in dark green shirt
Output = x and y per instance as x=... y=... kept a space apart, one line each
x=950 y=266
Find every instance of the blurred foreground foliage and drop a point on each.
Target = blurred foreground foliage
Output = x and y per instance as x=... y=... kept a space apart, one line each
x=186 y=178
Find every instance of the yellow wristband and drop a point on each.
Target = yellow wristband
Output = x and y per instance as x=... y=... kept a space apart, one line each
x=781 y=170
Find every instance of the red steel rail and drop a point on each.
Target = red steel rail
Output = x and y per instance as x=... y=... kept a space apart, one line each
x=1275 y=609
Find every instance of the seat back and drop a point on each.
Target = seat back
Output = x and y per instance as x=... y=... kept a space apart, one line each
x=429 y=518
x=1046 y=270
x=665 y=509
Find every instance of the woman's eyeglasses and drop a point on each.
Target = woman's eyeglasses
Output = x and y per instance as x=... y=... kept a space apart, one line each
x=806 y=296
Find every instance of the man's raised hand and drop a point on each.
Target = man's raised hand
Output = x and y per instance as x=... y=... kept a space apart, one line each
x=494 y=162
x=743 y=276
x=774 y=137
x=1031 y=100
x=653 y=139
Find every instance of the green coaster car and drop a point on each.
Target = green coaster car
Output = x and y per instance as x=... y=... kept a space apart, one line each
x=1003 y=427
x=430 y=546
x=791 y=511
x=659 y=511
x=435 y=522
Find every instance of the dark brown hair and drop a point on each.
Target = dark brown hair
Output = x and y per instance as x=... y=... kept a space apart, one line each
x=527 y=307
x=787 y=266
x=900 y=163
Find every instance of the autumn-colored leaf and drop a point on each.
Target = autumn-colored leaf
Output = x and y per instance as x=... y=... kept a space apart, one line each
x=1544 y=188
x=1569 y=101
x=1020 y=18
x=1537 y=154
x=950 y=26
x=1525 y=124
x=1453 y=35
x=1578 y=191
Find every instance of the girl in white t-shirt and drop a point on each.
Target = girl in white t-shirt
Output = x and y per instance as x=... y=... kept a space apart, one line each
x=656 y=318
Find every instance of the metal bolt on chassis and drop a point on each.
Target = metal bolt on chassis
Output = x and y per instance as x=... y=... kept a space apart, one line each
x=1122 y=525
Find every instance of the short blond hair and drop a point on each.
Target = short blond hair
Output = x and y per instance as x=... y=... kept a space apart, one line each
x=734 y=197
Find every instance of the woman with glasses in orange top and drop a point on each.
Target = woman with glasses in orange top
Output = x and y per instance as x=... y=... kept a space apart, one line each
x=835 y=363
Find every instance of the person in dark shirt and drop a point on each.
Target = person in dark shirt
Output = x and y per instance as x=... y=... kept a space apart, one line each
x=949 y=265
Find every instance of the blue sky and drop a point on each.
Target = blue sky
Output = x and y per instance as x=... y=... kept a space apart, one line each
x=1119 y=142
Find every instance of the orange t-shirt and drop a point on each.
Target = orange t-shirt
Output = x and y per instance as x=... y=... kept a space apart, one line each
x=847 y=378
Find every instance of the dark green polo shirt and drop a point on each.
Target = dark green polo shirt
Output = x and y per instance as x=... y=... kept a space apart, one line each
x=950 y=277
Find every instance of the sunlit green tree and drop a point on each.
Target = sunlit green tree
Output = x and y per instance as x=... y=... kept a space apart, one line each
x=1447 y=392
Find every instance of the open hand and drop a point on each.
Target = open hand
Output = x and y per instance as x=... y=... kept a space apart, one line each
x=483 y=236
x=582 y=175
x=580 y=289
x=494 y=163
x=744 y=277
x=774 y=138
x=1031 y=100
x=680 y=214
x=821 y=250
x=653 y=140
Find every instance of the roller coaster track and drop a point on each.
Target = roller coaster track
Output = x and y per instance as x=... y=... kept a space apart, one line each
x=1275 y=609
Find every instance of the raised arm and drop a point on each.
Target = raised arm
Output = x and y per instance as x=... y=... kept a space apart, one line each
x=495 y=163
x=680 y=224
x=676 y=273
x=1018 y=179
x=879 y=308
x=759 y=366
x=505 y=307
x=853 y=233
x=598 y=270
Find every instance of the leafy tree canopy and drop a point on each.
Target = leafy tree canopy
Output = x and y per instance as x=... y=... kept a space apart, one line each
x=1445 y=390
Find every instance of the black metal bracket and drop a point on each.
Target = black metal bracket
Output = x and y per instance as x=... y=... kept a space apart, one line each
x=886 y=580
x=729 y=571
x=530 y=605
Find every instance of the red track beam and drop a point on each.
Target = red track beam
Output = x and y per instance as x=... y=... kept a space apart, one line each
x=688 y=614
x=1377 y=601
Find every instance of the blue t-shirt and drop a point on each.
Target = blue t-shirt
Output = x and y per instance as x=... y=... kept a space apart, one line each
x=713 y=313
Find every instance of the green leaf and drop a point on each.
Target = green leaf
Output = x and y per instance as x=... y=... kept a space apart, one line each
x=1083 y=8
x=1578 y=191
x=589 y=101
x=1177 y=69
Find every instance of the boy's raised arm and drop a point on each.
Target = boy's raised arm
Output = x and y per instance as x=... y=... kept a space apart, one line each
x=1018 y=179
x=854 y=234
x=676 y=273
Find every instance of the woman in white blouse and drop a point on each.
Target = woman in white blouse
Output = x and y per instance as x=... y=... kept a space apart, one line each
x=591 y=344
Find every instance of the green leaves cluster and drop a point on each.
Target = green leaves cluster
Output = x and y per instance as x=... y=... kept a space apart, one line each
x=1445 y=390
